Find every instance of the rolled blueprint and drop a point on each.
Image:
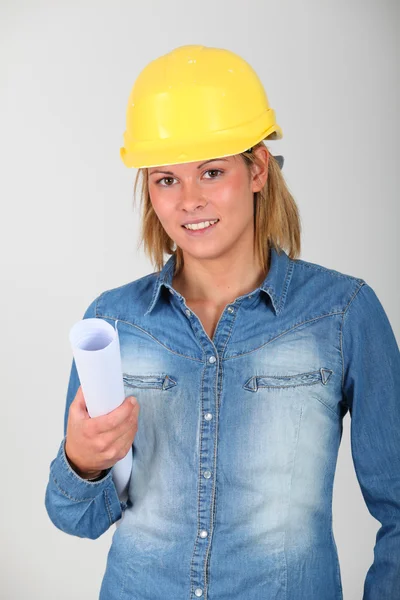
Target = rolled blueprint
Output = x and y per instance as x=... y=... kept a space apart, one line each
x=96 y=350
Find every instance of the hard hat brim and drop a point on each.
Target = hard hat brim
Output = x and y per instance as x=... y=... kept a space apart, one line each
x=143 y=154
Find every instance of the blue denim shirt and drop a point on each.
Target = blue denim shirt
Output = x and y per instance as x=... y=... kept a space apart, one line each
x=230 y=495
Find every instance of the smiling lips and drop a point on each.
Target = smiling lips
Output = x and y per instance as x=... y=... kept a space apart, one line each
x=200 y=225
x=200 y=228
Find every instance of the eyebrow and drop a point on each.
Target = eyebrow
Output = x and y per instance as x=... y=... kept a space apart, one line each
x=199 y=167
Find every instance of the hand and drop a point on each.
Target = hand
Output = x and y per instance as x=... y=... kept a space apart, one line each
x=95 y=444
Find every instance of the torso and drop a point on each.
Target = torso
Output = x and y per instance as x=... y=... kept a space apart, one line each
x=208 y=312
x=208 y=315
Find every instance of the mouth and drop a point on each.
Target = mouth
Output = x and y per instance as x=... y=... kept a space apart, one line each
x=200 y=232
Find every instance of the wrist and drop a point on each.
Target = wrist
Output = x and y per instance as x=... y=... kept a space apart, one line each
x=88 y=475
x=92 y=477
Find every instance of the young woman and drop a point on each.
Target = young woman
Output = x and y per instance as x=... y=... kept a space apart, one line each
x=243 y=360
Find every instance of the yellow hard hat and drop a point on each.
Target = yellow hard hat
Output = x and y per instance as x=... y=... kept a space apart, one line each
x=195 y=103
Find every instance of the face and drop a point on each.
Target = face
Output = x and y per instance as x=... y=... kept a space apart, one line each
x=222 y=189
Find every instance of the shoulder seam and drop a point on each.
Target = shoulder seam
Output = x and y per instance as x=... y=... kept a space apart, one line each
x=96 y=314
x=120 y=287
x=362 y=284
x=354 y=295
x=302 y=263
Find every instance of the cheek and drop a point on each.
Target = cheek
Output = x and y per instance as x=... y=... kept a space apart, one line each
x=164 y=212
x=235 y=198
x=159 y=205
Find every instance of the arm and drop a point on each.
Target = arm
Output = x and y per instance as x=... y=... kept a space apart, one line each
x=88 y=475
x=75 y=505
x=371 y=389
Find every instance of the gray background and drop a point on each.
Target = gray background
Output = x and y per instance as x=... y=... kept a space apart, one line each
x=69 y=232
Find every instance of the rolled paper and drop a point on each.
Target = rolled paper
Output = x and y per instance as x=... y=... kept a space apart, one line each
x=96 y=350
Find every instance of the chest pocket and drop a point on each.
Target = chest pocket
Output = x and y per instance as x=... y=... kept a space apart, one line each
x=322 y=375
x=157 y=382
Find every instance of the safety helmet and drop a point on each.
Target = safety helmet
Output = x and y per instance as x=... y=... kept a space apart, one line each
x=196 y=103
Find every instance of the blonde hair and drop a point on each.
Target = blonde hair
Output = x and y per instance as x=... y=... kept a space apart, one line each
x=276 y=218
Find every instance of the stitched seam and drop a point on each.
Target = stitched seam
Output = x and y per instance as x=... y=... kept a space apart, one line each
x=218 y=391
x=283 y=333
x=289 y=271
x=196 y=543
x=302 y=263
x=228 y=336
x=64 y=493
x=218 y=378
x=136 y=381
x=96 y=303
x=151 y=336
x=130 y=283
x=316 y=372
x=341 y=333
x=277 y=387
x=91 y=484
x=109 y=507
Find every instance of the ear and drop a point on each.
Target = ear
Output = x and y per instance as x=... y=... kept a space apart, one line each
x=260 y=173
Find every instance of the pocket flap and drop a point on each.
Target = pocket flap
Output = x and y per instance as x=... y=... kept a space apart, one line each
x=283 y=381
x=160 y=382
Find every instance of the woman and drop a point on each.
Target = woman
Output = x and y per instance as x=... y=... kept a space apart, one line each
x=243 y=360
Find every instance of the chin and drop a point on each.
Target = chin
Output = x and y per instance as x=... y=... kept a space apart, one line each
x=204 y=253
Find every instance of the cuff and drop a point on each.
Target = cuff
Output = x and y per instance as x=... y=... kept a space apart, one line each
x=75 y=487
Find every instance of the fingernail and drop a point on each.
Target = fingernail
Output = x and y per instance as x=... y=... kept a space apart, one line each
x=133 y=400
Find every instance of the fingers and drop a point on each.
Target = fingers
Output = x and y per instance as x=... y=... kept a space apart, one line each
x=125 y=441
x=114 y=444
x=78 y=405
x=119 y=419
x=99 y=442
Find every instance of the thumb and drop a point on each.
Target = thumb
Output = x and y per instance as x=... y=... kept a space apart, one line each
x=79 y=405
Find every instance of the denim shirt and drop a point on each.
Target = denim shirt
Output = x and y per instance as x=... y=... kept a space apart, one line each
x=230 y=495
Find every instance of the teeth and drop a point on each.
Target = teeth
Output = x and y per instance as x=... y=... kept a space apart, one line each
x=200 y=225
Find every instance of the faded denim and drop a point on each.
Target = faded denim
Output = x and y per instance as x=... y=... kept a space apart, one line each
x=234 y=458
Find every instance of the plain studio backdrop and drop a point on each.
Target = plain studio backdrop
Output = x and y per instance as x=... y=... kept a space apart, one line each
x=69 y=229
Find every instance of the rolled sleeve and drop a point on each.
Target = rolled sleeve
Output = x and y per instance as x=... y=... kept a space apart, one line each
x=77 y=506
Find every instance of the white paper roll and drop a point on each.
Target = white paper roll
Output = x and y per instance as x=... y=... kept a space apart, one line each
x=96 y=350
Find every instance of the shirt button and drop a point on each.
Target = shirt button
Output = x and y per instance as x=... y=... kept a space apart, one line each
x=230 y=309
x=207 y=474
x=187 y=311
x=250 y=296
x=198 y=592
x=208 y=416
x=171 y=291
x=212 y=359
x=203 y=534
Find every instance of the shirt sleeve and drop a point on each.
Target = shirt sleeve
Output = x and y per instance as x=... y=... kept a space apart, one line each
x=371 y=390
x=77 y=506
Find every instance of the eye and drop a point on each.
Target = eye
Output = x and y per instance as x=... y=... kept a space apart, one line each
x=158 y=182
x=213 y=171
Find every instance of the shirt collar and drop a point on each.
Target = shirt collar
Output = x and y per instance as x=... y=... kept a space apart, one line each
x=275 y=284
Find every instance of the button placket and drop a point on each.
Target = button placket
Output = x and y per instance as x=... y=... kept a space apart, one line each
x=203 y=533
x=211 y=359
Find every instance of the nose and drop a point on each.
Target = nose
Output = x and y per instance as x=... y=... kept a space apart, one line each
x=191 y=196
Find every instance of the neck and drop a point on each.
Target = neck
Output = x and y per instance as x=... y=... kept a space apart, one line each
x=218 y=281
